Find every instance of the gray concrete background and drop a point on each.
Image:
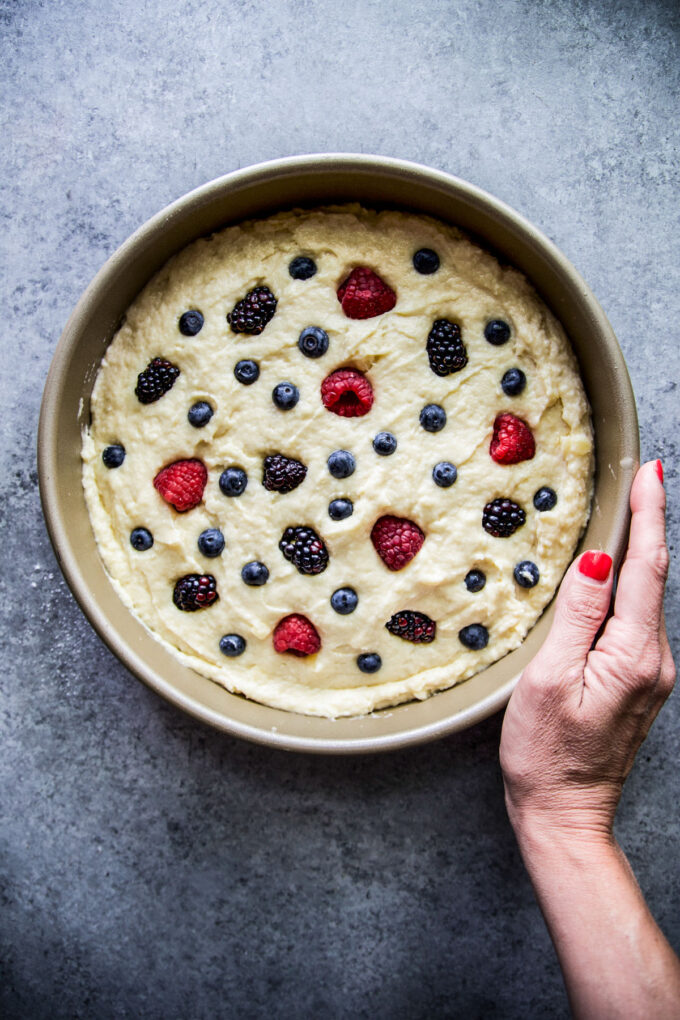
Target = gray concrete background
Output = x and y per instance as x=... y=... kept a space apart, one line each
x=152 y=867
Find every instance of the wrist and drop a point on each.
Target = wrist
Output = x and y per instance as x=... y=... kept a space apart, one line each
x=562 y=832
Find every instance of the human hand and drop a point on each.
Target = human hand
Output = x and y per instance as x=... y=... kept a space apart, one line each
x=579 y=714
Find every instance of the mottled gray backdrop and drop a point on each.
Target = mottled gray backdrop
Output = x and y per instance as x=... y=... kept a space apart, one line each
x=154 y=868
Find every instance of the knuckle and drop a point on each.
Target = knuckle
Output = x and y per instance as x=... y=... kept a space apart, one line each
x=659 y=560
x=580 y=608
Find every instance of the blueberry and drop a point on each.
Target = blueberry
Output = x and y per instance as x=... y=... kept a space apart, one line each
x=475 y=580
x=513 y=382
x=444 y=474
x=233 y=481
x=339 y=509
x=341 y=464
x=200 y=414
x=313 y=341
x=211 y=542
x=497 y=332
x=369 y=662
x=545 y=499
x=526 y=574
x=232 y=645
x=433 y=418
x=426 y=261
x=191 y=322
x=301 y=267
x=141 y=539
x=247 y=372
x=285 y=396
x=113 y=456
x=255 y=573
x=384 y=444
x=344 y=600
x=474 y=636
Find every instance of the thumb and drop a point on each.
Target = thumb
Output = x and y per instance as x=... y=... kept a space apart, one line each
x=582 y=605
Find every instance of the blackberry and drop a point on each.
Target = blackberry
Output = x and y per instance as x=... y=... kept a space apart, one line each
x=113 y=456
x=195 y=591
x=302 y=267
x=339 y=509
x=313 y=341
x=232 y=645
x=141 y=539
x=157 y=378
x=502 y=517
x=385 y=444
x=252 y=313
x=341 y=464
x=282 y=474
x=369 y=662
x=191 y=322
x=433 y=418
x=545 y=499
x=344 y=601
x=247 y=372
x=211 y=542
x=444 y=474
x=302 y=547
x=412 y=626
x=426 y=261
x=526 y=574
x=497 y=332
x=254 y=573
x=199 y=414
x=475 y=636
x=285 y=396
x=475 y=580
x=513 y=382
x=445 y=348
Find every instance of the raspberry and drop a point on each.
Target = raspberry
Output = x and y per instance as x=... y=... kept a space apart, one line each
x=181 y=484
x=302 y=547
x=512 y=440
x=347 y=393
x=252 y=313
x=396 y=540
x=282 y=474
x=295 y=634
x=502 y=517
x=445 y=348
x=195 y=591
x=363 y=294
x=157 y=378
x=412 y=626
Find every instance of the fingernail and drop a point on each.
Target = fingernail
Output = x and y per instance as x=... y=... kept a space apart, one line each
x=659 y=470
x=595 y=565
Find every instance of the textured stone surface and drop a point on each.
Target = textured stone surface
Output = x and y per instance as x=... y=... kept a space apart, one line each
x=150 y=866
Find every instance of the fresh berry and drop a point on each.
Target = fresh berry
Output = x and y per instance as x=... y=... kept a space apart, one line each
x=313 y=341
x=513 y=382
x=385 y=444
x=211 y=542
x=247 y=372
x=545 y=499
x=433 y=418
x=475 y=636
x=444 y=474
x=195 y=591
x=113 y=456
x=200 y=414
x=412 y=626
x=445 y=348
x=512 y=440
x=181 y=484
x=475 y=580
x=157 y=378
x=232 y=645
x=341 y=464
x=302 y=268
x=369 y=662
x=295 y=634
x=347 y=393
x=255 y=573
x=285 y=395
x=527 y=574
x=233 y=481
x=363 y=294
x=302 y=547
x=252 y=313
x=396 y=540
x=497 y=332
x=344 y=600
x=191 y=322
x=339 y=509
x=502 y=517
x=282 y=474
x=426 y=261
x=141 y=539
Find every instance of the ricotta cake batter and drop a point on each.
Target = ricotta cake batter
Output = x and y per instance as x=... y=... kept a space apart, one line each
x=338 y=459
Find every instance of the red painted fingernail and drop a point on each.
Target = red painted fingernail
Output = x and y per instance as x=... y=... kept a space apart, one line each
x=659 y=470
x=595 y=565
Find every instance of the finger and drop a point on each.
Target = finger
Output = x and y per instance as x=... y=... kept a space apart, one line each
x=642 y=578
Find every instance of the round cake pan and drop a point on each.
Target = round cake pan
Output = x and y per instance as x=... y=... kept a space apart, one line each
x=258 y=191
